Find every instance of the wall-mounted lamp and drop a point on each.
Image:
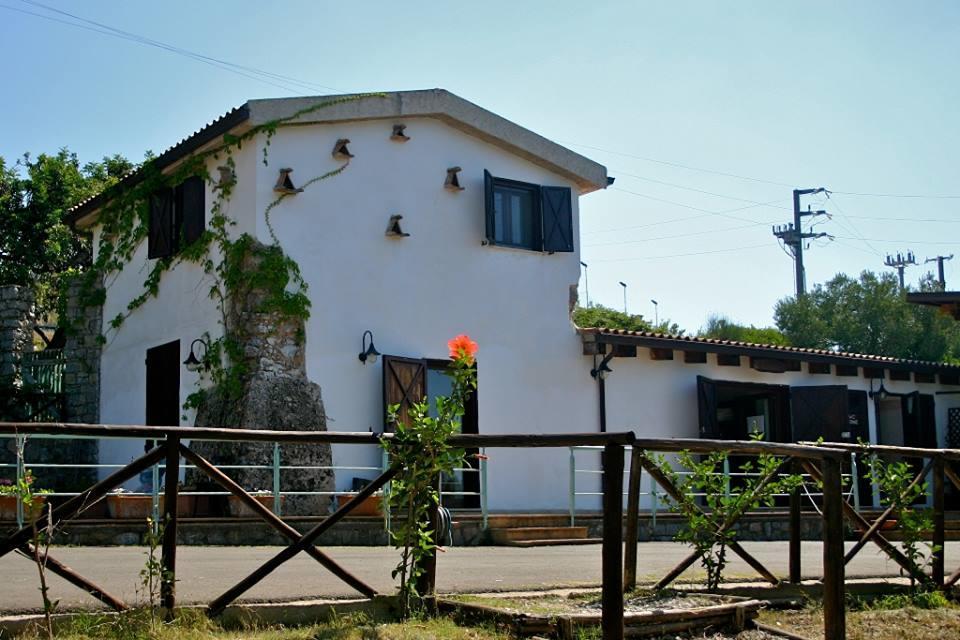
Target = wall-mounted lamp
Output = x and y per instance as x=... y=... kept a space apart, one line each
x=882 y=392
x=601 y=371
x=194 y=364
x=368 y=352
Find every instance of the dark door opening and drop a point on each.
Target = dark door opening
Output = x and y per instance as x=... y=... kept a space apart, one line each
x=739 y=410
x=163 y=385
x=410 y=380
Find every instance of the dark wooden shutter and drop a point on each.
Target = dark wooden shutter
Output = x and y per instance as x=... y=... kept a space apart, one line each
x=819 y=411
x=556 y=205
x=160 y=238
x=163 y=385
x=404 y=383
x=191 y=209
x=707 y=405
x=919 y=421
x=491 y=227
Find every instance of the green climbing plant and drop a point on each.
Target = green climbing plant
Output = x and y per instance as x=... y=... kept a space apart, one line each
x=894 y=478
x=420 y=447
x=707 y=525
x=234 y=263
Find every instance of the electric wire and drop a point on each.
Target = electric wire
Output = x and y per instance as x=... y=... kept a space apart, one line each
x=683 y=255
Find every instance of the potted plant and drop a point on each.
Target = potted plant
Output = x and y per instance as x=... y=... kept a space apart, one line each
x=12 y=492
x=240 y=510
x=124 y=505
x=369 y=506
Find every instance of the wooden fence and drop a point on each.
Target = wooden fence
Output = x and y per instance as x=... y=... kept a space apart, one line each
x=823 y=462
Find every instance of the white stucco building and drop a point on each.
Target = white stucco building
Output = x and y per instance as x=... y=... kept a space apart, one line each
x=498 y=259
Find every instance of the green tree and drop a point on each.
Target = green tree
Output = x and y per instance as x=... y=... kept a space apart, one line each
x=869 y=315
x=723 y=328
x=36 y=247
x=597 y=315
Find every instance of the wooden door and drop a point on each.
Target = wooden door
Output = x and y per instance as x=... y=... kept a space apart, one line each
x=404 y=384
x=821 y=411
x=163 y=385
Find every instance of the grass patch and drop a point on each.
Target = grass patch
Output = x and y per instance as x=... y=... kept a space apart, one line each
x=920 y=616
x=194 y=625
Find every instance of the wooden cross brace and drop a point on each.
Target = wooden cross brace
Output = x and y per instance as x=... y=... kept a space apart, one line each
x=872 y=533
x=674 y=493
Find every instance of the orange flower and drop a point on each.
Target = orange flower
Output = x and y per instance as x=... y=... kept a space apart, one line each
x=463 y=348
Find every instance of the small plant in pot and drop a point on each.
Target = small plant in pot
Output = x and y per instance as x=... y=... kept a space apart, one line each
x=240 y=510
x=124 y=505
x=13 y=492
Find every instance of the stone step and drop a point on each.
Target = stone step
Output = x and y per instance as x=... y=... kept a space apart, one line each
x=552 y=543
x=519 y=534
x=515 y=520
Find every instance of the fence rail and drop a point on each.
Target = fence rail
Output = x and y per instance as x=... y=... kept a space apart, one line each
x=821 y=463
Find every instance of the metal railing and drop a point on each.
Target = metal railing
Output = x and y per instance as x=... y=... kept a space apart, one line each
x=659 y=504
x=275 y=490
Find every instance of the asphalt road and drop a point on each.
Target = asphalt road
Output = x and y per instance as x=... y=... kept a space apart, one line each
x=205 y=572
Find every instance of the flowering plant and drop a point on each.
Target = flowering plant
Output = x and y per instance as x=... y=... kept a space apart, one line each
x=420 y=448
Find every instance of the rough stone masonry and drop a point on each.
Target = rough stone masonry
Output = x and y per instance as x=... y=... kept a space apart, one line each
x=277 y=395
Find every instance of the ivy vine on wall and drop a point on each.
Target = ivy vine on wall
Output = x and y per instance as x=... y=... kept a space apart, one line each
x=235 y=266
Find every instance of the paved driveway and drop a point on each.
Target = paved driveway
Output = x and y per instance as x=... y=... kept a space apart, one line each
x=205 y=572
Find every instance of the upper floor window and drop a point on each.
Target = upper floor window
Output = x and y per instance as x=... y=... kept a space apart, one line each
x=177 y=217
x=528 y=216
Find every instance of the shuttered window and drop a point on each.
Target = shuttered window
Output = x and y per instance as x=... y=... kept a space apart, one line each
x=161 y=237
x=528 y=216
x=191 y=209
x=177 y=217
x=404 y=384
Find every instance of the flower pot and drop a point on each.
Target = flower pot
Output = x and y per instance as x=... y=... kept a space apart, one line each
x=238 y=509
x=128 y=507
x=369 y=506
x=8 y=507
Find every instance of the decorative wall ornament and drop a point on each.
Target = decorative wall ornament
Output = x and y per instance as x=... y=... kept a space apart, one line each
x=398 y=133
x=340 y=150
x=393 y=227
x=452 y=182
x=285 y=184
x=227 y=177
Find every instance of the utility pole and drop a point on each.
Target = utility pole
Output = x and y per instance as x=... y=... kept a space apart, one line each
x=624 y=285
x=939 y=260
x=793 y=236
x=900 y=262
x=586 y=282
x=656 y=312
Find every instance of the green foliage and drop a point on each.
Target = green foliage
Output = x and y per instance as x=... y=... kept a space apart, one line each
x=869 y=315
x=915 y=599
x=597 y=315
x=894 y=478
x=36 y=248
x=420 y=447
x=153 y=575
x=723 y=328
x=708 y=527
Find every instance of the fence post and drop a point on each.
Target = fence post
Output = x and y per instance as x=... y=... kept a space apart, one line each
x=726 y=476
x=654 y=500
x=612 y=597
x=855 y=479
x=795 y=524
x=155 y=497
x=168 y=558
x=572 y=485
x=834 y=616
x=484 y=510
x=939 y=533
x=276 y=478
x=633 y=517
x=20 y=442
x=384 y=465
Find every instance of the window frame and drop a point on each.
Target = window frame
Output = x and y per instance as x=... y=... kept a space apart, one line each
x=536 y=212
x=177 y=225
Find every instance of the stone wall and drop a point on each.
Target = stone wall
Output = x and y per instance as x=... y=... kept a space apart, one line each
x=17 y=318
x=277 y=395
x=81 y=378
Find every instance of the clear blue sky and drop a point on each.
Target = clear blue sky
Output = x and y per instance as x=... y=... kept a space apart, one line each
x=857 y=97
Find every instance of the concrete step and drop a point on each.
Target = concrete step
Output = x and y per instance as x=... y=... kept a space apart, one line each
x=553 y=543
x=520 y=534
x=514 y=520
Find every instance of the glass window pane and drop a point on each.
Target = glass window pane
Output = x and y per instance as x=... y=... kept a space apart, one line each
x=498 y=216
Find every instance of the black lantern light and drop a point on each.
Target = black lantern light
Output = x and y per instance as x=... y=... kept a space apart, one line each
x=192 y=363
x=368 y=352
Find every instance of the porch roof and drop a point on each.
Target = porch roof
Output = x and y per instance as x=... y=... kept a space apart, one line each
x=594 y=336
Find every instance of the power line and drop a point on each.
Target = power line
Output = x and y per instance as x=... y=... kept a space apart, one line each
x=751 y=178
x=793 y=236
x=679 y=235
x=709 y=193
x=673 y=220
x=253 y=73
x=684 y=255
x=723 y=214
